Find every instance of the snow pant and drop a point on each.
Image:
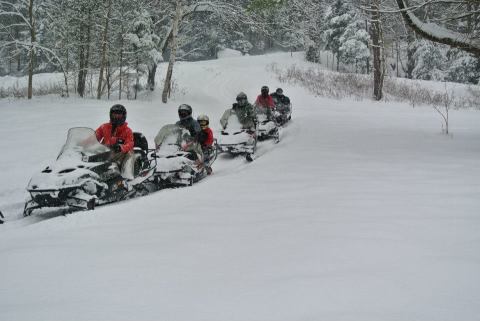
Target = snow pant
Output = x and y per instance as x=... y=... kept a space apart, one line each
x=126 y=163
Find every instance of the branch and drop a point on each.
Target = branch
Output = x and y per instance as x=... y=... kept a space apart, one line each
x=438 y=34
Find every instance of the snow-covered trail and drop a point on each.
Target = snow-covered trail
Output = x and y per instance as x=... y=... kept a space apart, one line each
x=363 y=211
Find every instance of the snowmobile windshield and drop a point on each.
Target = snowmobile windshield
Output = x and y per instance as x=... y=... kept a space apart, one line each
x=81 y=142
x=234 y=124
x=170 y=138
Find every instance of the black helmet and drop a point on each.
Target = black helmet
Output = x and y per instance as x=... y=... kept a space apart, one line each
x=184 y=111
x=279 y=91
x=203 y=121
x=264 y=90
x=118 y=114
x=242 y=99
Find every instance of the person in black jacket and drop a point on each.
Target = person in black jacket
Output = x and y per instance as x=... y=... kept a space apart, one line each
x=280 y=98
x=187 y=121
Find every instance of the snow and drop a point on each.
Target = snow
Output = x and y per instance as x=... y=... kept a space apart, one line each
x=228 y=53
x=363 y=211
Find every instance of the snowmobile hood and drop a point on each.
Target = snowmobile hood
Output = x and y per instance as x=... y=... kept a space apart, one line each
x=72 y=164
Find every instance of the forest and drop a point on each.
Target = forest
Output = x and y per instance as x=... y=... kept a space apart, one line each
x=106 y=48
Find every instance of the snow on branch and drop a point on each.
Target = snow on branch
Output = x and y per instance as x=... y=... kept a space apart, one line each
x=439 y=34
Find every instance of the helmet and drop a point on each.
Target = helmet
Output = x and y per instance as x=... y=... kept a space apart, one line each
x=242 y=99
x=279 y=91
x=264 y=90
x=184 y=111
x=203 y=121
x=118 y=114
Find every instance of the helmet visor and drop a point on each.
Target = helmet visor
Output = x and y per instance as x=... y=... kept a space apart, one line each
x=116 y=116
x=242 y=101
x=183 y=113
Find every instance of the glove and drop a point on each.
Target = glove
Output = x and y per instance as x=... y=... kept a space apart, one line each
x=234 y=105
x=117 y=148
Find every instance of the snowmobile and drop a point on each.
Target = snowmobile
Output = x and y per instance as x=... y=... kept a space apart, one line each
x=84 y=175
x=236 y=140
x=180 y=160
x=267 y=125
x=282 y=113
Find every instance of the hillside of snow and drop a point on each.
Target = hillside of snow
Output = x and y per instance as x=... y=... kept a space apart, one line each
x=363 y=211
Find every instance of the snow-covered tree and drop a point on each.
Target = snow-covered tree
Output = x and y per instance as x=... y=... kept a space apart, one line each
x=430 y=60
x=337 y=18
x=354 y=45
x=463 y=67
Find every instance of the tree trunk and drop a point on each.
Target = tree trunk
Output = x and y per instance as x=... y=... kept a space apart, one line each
x=81 y=62
x=84 y=56
x=173 y=52
x=378 y=50
x=104 y=50
x=151 y=76
x=368 y=46
x=121 y=64
x=410 y=52
x=137 y=80
x=31 y=63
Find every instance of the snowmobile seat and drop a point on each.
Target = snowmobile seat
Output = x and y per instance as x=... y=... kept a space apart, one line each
x=140 y=142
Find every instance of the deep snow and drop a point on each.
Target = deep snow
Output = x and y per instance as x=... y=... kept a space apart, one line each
x=363 y=211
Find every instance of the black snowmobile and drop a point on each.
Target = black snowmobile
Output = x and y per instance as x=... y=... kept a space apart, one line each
x=84 y=175
x=180 y=160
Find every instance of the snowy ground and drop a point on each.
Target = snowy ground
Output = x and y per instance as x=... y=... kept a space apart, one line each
x=363 y=211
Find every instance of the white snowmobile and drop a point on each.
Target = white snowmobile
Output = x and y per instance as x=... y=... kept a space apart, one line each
x=267 y=125
x=84 y=176
x=179 y=158
x=236 y=140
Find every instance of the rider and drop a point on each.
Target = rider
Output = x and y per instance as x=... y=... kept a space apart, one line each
x=265 y=101
x=244 y=111
x=280 y=98
x=205 y=138
x=119 y=137
x=187 y=121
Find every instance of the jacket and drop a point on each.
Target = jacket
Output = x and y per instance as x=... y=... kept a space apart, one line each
x=265 y=102
x=109 y=136
x=191 y=125
x=246 y=116
x=205 y=138
x=277 y=99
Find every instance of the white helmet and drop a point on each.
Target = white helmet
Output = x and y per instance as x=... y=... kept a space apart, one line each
x=203 y=121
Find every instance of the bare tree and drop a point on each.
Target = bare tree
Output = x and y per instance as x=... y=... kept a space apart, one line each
x=376 y=34
x=104 y=49
x=173 y=52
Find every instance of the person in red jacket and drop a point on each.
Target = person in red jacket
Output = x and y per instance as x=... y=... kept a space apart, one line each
x=119 y=137
x=264 y=102
x=205 y=138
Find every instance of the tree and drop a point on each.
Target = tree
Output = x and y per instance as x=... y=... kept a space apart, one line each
x=104 y=48
x=376 y=34
x=337 y=18
x=173 y=52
